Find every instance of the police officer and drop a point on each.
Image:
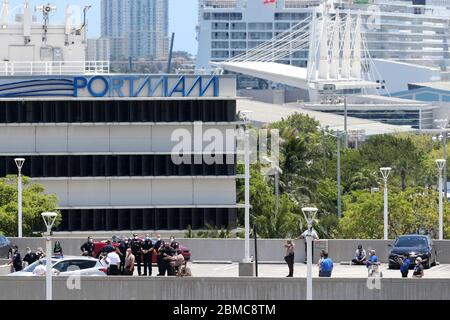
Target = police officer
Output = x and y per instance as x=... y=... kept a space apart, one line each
x=123 y=246
x=136 y=246
x=147 y=253
x=30 y=257
x=16 y=259
x=174 y=244
x=159 y=259
x=87 y=249
x=167 y=252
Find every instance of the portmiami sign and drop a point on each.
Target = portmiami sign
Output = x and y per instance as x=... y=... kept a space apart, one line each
x=120 y=86
x=147 y=86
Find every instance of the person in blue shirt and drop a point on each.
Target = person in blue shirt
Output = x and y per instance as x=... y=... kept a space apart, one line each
x=325 y=265
x=372 y=263
x=404 y=268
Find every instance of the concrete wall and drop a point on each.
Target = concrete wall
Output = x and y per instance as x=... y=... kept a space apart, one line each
x=201 y=249
x=5 y=269
x=269 y=250
x=343 y=250
x=118 y=288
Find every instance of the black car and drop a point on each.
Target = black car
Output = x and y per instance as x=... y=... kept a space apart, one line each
x=414 y=245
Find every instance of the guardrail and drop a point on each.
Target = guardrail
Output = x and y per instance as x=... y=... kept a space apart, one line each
x=28 y=68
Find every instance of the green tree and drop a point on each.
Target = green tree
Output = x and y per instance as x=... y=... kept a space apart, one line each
x=396 y=151
x=211 y=232
x=281 y=224
x=34 y=200
x=408 y=210
x=364 y=179
x=262 y=198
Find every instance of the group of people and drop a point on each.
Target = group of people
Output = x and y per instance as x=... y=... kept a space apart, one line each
x=325 y=263
x=120 y=257
x=18 y=263
x=372 y=263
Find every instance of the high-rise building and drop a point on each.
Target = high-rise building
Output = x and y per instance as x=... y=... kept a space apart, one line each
x=98 y=49
x=137 y=28
x=114 y=26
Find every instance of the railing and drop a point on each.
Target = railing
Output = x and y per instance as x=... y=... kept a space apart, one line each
x=27 y=68
x=219 y=4
x=296 y=4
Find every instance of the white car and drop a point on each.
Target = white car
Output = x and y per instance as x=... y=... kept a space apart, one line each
x=67 y=266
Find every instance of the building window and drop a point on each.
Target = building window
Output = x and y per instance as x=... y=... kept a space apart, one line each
x=239 y=35
x=238 y=26
x=238 y=45
x=260 y=35
x=219 y=45
x=260 y=26
x=282 y=25
x=220 y=26
x=220 y=54
x=220 y=35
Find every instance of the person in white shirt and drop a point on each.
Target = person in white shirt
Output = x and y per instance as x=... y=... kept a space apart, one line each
x=113 y=260
x=360 y=256
x=40 y=269
x=314 y=237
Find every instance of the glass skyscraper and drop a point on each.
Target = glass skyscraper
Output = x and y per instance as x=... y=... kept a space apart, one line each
x=135 y=28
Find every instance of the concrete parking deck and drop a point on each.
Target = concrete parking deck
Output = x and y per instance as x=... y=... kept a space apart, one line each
x=280 y=270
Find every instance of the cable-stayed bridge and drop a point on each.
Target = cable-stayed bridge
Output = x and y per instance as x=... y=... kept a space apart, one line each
x=338 y=55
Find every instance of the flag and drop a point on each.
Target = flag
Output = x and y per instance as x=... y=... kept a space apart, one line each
x=270 y=1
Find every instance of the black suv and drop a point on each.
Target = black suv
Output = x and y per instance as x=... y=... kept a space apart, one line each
x=415 y=245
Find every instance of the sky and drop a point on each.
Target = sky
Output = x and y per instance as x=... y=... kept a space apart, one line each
x=182 y=18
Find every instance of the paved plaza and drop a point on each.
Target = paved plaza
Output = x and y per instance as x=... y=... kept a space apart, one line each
x=280 y=271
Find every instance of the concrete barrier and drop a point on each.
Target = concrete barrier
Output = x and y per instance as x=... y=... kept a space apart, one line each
x=5 y=269
x=201 y=249
x=268 y=249
x=118 y=288
x=344 y=250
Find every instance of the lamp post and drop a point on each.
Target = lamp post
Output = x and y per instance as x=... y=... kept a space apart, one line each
x=441 y=165
x=275 y=171
x=19 y=163
x=246 y=115
x=345 y=123
x=309 y=213
x=442 y=125
x=385 y=173
x=49 y=219
x=339 y=134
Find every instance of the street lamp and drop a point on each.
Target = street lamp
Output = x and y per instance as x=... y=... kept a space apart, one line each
x=339 y=134
x=19 y=163
x=275 y=171
x=49 y=220
x=441 y=165
x=309 y=213
x=246 y=117
x=442 y=125
x=385 y=173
